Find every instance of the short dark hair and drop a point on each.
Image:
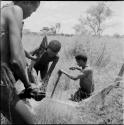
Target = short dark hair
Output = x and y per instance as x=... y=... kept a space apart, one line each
x=54 y=45
x=81 y=57
x=35 y=3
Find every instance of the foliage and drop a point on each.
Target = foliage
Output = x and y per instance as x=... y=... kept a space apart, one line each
x=94 y=22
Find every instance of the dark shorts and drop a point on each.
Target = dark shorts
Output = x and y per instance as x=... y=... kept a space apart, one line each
x=79 y=95
x=8 y=95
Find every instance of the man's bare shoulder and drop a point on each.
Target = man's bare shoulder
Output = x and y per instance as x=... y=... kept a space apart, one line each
x=88 y=69
x=12 y=11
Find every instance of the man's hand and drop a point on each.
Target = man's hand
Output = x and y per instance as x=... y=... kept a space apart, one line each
x=72 y=68
x=60 y=71
x=46 y=79
x=32 y=92
x=75 y=68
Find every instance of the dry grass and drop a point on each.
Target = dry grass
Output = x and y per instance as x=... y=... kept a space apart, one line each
x=52 y=112
x=105 y=55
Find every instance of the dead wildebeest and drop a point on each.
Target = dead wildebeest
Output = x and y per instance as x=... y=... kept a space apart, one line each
x=47 y=110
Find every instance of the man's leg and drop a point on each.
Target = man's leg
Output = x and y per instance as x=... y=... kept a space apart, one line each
x=79 y=95
x=76 y=96
x=84 y=94
x=42 y=76
x=11 y=106
x=16 y=110
x=43 y=72
x=30 y=72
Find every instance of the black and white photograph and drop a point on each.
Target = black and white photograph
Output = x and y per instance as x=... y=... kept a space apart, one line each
x=62 y=62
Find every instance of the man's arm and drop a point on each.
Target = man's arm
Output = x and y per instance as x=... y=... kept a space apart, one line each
x=33 y=52
x=52 y=66
x=79 y=76
x=17 y=60
x=29 y=56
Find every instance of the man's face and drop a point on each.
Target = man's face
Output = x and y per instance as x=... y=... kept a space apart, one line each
x=80 y=63
x=51 y=53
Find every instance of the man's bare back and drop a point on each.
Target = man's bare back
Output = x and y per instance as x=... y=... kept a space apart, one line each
x=9 y=14
x=13 y=61
x=86 y=82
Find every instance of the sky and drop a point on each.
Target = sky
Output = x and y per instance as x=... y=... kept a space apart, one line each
x=67 y=14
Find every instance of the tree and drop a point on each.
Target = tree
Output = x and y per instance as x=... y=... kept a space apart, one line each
x=80 y=29
x=96 y=17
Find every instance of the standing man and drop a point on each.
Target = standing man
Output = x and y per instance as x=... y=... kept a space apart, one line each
x=13 y=61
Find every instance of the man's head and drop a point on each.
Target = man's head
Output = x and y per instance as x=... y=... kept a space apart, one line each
x=53 y=48
x=28 y=7
x=81 y=60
